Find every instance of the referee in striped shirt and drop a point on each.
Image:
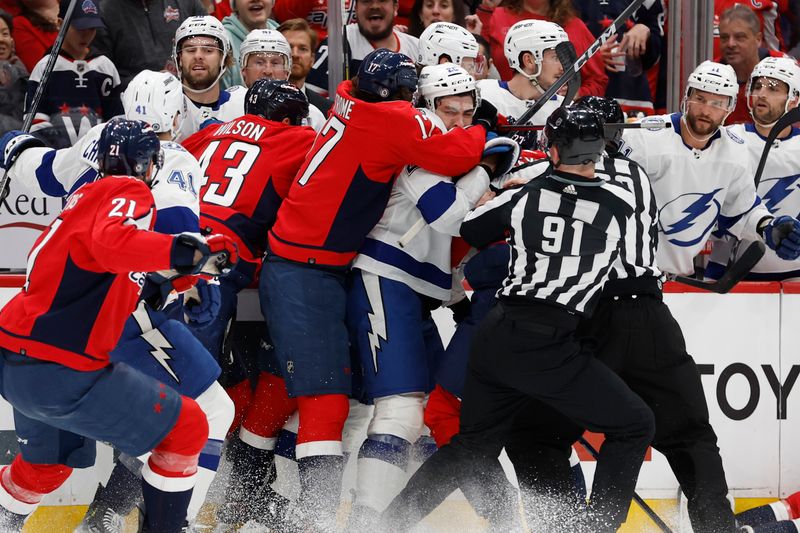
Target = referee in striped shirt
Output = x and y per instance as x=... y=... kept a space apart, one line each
x=565 y=230
x=635 y=334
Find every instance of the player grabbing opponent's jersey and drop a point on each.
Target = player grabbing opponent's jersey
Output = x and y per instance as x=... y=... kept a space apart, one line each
x=56 y=335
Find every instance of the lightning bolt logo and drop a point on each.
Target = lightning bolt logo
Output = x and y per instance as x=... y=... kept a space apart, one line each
x=778 y=192
x=156 y=339
x=377 y=317
x=694 y=210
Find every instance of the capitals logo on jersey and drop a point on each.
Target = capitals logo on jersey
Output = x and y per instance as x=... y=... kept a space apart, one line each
x=689 y=218
x=779 y=189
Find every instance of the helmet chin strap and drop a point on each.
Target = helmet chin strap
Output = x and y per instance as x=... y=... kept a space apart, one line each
x=211 y=86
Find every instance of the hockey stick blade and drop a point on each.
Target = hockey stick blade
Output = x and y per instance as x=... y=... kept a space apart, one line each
x=567 y=56
x=638 y=499
x=788 y=118
x=734 y=273
x=570 y=73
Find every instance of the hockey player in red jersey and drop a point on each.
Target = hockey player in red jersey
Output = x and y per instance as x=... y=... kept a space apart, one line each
x=83 y=282
x=249 y=165
x=339 y=195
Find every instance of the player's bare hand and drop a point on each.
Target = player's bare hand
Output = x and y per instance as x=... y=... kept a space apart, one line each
x=634 y=43
x=510 y=183
x=488 y=195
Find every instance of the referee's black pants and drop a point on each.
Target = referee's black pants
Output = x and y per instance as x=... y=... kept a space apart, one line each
x=639 y=339
x=522 y=352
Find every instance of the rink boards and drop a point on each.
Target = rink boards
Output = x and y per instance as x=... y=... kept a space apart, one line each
x=747 y=346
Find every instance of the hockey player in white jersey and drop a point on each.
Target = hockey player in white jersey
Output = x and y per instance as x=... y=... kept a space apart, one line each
x=202 y=53
x=395 y=285
x=445 y=42
x=178 y=359
x=530 y=50
x=267 y=54
x=702 y=176
x=773 y=90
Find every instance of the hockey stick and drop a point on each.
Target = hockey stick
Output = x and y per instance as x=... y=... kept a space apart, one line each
x=638 y=499
x=39 y=94
x=733 y=274
x=647 y=123
x=789 y=118
x=569 y=73
x=567 y=57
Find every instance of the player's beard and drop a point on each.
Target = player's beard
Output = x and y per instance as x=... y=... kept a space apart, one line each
x=377 y=35
x=199 y=80
x=702 y=128
x=767 y=116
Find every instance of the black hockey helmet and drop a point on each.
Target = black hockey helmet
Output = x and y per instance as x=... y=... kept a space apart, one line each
x=578 y=134
x=611 y=112
x=276 y=100
x=127 y=147
x=383 y=73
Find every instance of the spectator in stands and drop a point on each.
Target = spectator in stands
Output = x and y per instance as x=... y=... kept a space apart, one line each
x=138 y=33
x=35 y=29
x=770 y=14
x=303 y=41
x=248 y=15
x=562 y=12
x=629 y=55
x=83 y=89
x=314 y=12
x=374 y=28
x=739 y=43
x=425 y=12
x=12 y=78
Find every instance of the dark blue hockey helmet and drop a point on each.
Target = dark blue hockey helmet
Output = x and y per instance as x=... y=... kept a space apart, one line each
x=127 y=147
x=383 y=73
x=577 y=132
x=611 y=112
x=276 y=100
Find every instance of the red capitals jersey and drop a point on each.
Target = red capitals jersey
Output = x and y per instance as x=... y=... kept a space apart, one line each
x=85 y=275
x=768 y=12
x=343 y=188
x=316 y=13
x=248 y=166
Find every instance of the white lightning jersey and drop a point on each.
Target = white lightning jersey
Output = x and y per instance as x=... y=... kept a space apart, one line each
x=60 y=172
x=779 y=191
x=229 y=106
x=497 y=93
x=696 y=191
x=424 y=262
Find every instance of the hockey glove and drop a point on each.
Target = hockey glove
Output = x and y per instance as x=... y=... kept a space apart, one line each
x=202 y=302
x=13 y=143
x=193 y=255
x=782 y=234
x=486 y=116
x=506 y=150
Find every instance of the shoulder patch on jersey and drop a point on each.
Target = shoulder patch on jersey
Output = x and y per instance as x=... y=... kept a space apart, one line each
x=171 y=145
x=735 y=138
x=234 y=88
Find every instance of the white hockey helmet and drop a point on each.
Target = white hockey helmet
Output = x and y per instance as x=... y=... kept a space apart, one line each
x=155 y=98
x=714 y=78
x=445 y=38
x=202 y=26
x=534 y=36
x=784 y=69
x=265 y=41
x=446 y=79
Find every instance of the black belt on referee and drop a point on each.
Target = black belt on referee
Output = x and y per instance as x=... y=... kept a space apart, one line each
x=629 y=288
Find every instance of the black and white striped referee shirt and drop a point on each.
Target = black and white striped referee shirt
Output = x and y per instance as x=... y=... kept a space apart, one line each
x=637 y=256
x=565 y=232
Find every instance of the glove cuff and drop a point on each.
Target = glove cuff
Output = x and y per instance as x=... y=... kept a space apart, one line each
x=182 y=254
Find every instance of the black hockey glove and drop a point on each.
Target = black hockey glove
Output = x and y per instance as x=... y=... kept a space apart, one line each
x=486 y=116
